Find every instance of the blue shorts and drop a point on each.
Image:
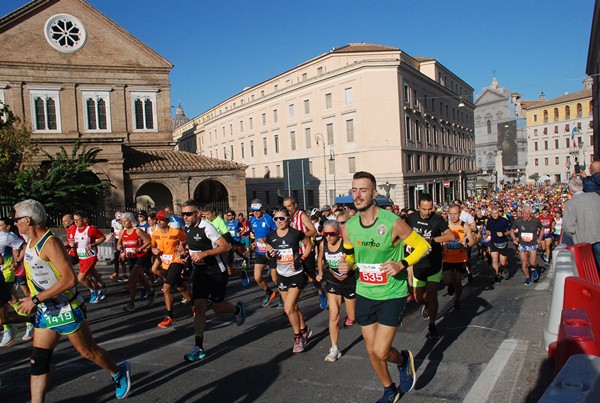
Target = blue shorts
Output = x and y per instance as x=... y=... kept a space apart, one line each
x=21 y=280
x=528 y=248
x=78 y=313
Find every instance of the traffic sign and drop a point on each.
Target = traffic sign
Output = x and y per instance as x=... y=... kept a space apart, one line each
x=420 y=187
x=446 y=184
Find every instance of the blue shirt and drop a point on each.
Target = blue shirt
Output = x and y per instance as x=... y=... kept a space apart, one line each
x=234 y=229
x=500 y=225
x=261 y=228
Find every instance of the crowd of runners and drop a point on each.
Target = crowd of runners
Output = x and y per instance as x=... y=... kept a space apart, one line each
x=371 y=260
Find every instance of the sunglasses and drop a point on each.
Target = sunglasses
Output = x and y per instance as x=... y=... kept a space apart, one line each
x=330 y=233
x=279 y=218
x=188 y=213
x=341 y=222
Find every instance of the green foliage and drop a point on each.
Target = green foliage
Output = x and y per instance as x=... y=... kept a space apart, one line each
x=534 y=176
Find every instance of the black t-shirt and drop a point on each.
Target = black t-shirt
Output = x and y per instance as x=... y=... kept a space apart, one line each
x=430 y=228
x=498 y=225
x=200 y=238
x=287 y=249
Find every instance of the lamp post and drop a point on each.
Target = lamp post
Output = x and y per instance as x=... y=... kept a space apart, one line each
x=319 y=137
x=332 y=158
x=451 y=162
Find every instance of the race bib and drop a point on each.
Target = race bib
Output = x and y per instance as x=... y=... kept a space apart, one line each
x=166 y=259
x=546 y=231
x=261 y=247
x=63 y=317
x=285 y=256
x=130 y=252
x=232 y=233
x=527 y=236
x=82 y=252
x=371 y=274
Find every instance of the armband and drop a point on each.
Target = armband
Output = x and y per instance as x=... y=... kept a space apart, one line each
x=348 y=250
x=420 y=248
x=404 y=263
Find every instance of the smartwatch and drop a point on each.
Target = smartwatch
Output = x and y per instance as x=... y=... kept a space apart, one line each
x=35 y=300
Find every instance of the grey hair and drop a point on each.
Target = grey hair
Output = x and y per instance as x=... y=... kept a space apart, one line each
x=526 y=207
x=129 y=215
x=575 y=185
x=495 y=207
x=34 y=210
x=332 y=223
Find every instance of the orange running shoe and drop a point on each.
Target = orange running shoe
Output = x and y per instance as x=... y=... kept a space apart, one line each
x=167 y=322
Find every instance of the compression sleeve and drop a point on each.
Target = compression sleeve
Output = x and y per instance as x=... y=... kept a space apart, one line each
x=420 y=248
x=348 y=250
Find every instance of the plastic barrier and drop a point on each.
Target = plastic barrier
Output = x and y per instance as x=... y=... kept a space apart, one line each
x=105 y=251
x=556 y=258
x=564 y=267
x=578 y=381
x=585 y=262
x=580 y=323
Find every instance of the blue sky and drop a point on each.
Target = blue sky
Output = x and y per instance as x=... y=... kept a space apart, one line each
x=220 y=47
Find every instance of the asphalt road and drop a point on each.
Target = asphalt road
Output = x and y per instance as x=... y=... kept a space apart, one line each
x=491 y=350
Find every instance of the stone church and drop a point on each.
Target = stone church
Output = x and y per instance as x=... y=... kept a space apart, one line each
x=73 y=75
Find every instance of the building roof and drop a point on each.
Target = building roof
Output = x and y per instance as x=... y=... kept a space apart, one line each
x=364 y=47
x=180 y=117
x=138 y=161
x=542 y=103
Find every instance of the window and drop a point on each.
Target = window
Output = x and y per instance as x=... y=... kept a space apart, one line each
x=264 y=119
x=545 y=144
x=418 y=163
x=265 y=145
x=252 y=148
x=545 y=116
x=535 y=117
x=567 y=142
x=65 y=33
x=489 y=127
x=428 y=166
x=428 y=131
x=350 y=130
x=275 y=116
x=242 y=150
x=537 y=162
x=307 y=137
x=348 y=95
x=329 y=128
x=557 y=161
x=418 y=131
x=250 y=124
x=293 y=140
x=231 y=129
x=144 y=110
x=415 y=99
x=306 y=106
x=292 y=111
x=276 y=140
x=224 y=153
x=406 y=94
x=545 y=130
x=351 y=164
x=45 y=107
x=556 y=114
x=328 y=101
x=241 y=125
x=231 y=152
x=555 y=129
x=535 y=146
x=567 y=112
x=408 y=128
x=97 y=111
x=409 y=164
x=556 y=144
x=535 y=133
x=304 y=76
x=546 y=161
x=278 y=171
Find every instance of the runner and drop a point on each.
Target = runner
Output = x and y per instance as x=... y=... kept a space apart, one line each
x=60 y=309
x=70 y=229
x=168 y=244
x=375 y=238
x=116 y=226
x=557 y=227
x=428 y=271
x=261 y=224
x=499 y=228
x=142 y=220
x=206 y=250
x=283 y=246
x=86 y=241
x=236 y=230
x=339 y=286
x=133 y=245
x=527 y=233
x=301 y=221
x=455 y=254
x=547 y=221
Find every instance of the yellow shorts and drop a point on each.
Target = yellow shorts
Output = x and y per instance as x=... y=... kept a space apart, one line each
x=434 y=278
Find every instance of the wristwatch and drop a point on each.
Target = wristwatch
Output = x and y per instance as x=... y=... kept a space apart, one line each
x=35 y=300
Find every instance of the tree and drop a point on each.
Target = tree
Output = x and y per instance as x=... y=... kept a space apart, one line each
x=16 y=150
x=65 y=181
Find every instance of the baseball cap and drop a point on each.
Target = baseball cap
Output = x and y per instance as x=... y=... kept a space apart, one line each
x=326 y=207
x=119 y=216
x=255 y=205
x=142 y=212
x=163 y=215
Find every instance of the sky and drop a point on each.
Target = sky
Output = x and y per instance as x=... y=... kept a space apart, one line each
x=219 y=47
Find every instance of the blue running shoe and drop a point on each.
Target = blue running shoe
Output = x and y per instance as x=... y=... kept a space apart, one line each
x=93 y=297
x=527 y=281
x=407 y=372
x=323 y=301
x=245 y=280
x=535 y=276
x=240 y=318
x=389 y=395
x=122 y=380
x=197 y=354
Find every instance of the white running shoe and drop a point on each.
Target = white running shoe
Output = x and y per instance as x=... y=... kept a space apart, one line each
x=334 y=354
x=29 y=332
x=10 y=334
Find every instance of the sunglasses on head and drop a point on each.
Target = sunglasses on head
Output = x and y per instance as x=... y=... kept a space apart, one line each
x=188 y=213
x=330 y=233
x=279 y=218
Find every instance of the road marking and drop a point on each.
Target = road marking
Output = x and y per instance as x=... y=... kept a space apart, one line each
x=483 y=386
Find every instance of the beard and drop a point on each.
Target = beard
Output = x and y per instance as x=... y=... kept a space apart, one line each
x=364 y=208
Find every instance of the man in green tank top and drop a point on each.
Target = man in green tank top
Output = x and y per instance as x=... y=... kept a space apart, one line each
x=374 y=243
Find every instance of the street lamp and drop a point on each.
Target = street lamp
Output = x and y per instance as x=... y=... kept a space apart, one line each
x=332 y=158
x=451 y=162
x=319 y=137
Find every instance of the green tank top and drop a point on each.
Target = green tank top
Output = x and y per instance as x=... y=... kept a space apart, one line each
x=372 y=247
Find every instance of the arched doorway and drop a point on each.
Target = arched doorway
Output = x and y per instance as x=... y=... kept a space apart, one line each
x=153 y=196
x=213 y=192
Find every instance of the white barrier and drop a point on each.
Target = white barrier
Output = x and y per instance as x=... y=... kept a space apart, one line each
x=106 y=250
x=555 y=251
x=564 y=266
x=577 y=382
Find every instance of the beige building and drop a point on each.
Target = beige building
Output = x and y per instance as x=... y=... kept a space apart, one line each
x=74 y=75
x=593 y=70
x=559 y=134
x=408 y=120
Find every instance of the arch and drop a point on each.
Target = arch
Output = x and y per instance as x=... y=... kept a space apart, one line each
x=213 y=192
x=153 y=196
x=556 y=114
x=579 y=110
x=567 y=112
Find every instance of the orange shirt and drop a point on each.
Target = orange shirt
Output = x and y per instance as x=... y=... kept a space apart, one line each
x=167 y=242
x=454 y=251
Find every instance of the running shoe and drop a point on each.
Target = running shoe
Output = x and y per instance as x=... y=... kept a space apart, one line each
x=535 y=276
x=348 y=322
x=123 y=380
x=410 y=298
x=114 y=276
x=184 y=300
x=102 y=293
x=497 y=279
x=268 y=298
x=470 y=277
x=451 y=289
x=432 y=332
x=505 y=272
x=323 y=301
x=425 y=312
x=197 y=354
x=457 y=304
x=334 y=354
x=298 y=344
x=527 y=281
x=407 y=372
x=245 y=280
x=144 y=294
x=280 y=304
x=166 y=322
x=10 y=334
x=151 y=296
x=130 y=307
x=93 y=297
x=240 y=318
x=306 y=333
x=28 y=332
x=390 y=395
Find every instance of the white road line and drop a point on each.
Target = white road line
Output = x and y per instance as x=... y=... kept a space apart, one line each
x=483 y=386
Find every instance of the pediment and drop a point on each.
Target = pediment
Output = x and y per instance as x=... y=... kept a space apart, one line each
x=23 y=39
x=489 y=96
